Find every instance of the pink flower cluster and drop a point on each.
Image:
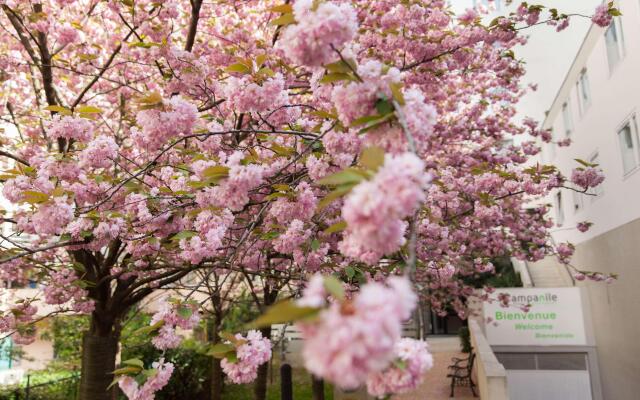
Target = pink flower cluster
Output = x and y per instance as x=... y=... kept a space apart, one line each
x=211 y=229
x=293 y=237
x=358 y=99
x=254 y=351
x=169 y=313
x=176 y=118
x=584 y=226
x=64 y=288
x=99 y=153
x=375 y=209
x=154 y=383
x=52 y=217
x=233 y=192
x=356 y=338
x=67 y=34
x=68 y=127
x=602 y=17
x=420 y=116
x=246 y=96
x=414 y=361
x=309 y=42
x=587 y=177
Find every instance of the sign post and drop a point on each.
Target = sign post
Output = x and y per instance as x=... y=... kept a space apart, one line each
x=554 y=318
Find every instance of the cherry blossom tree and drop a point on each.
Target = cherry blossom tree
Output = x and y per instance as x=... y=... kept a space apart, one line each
x=362 y=140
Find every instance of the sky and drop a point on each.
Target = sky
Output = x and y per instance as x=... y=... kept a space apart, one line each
x=549 y=54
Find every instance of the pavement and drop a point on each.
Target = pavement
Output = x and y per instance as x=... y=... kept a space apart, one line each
x=436 y=385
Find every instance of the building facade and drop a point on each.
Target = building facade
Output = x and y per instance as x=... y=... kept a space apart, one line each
x=598 y=107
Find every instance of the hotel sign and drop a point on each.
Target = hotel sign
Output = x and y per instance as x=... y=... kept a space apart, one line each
x=554 y=318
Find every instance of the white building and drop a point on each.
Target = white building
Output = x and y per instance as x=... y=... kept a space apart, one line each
x=597 y=107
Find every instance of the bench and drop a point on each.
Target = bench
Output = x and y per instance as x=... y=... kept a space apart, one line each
x=460 y=373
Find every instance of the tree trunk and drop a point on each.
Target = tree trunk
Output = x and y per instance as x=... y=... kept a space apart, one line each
x=98 y=363
x=317 y=388
x=260 y=388
x=217 y=379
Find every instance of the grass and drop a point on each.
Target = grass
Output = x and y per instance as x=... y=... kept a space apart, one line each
x=301 y=386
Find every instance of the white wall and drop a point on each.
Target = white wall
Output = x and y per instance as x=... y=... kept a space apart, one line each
x=548 y=54
x=615 y=97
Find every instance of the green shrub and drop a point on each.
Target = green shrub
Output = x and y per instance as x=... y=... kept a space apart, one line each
x=465 y=339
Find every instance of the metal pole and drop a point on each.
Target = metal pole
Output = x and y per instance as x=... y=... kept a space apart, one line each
x=286 y=382
x=26 y=392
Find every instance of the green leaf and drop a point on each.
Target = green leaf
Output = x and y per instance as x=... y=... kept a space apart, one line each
x=150 y=101
x=283 y=8
x=239 y=68
x=339 y=67
x=284 y=19
x=216 y=171
x=184 y=235
x=337 y=227
x=384 y=106
x=336 y=77
x=350 y=271
x=340 y=178
x=396 y=92
x=586 y=164
x=335 y=194
x=34 y=197
x=372 y=158
x=334 y=287
x=127 y=371
x=134 y=362
x=220 y=350
x=89 y=110
x=281 y=312
x=58 y=109
x=315 y=244
x=281 y=150
x=270 y=235
x=366 y=119
x=185 y=312
x=146 y=330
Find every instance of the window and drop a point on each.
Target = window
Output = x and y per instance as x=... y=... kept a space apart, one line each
x=559 y=210
x=628 y=140
x=584 y=92
x=578 y=201
x=544 y=361
x=615 y=43
x=566 y=118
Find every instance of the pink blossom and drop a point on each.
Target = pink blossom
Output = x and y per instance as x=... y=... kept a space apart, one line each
x=416 y=361
x=584 y=226
x=374 y=209
x=68 y=127
x=254 y=351
x=233 y=192
x=293 y=237
x=67 y=34
x=247 y=96
x=350 y=341
x=211 y=230
x=177 y=117
x=172 y=314
x=99 y=153
x=52 y=217
x=602 y=17
x=153 y=384
x=587 y=177
x=309 y=42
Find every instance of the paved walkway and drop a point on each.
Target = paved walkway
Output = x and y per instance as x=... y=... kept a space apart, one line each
x=436 y=384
